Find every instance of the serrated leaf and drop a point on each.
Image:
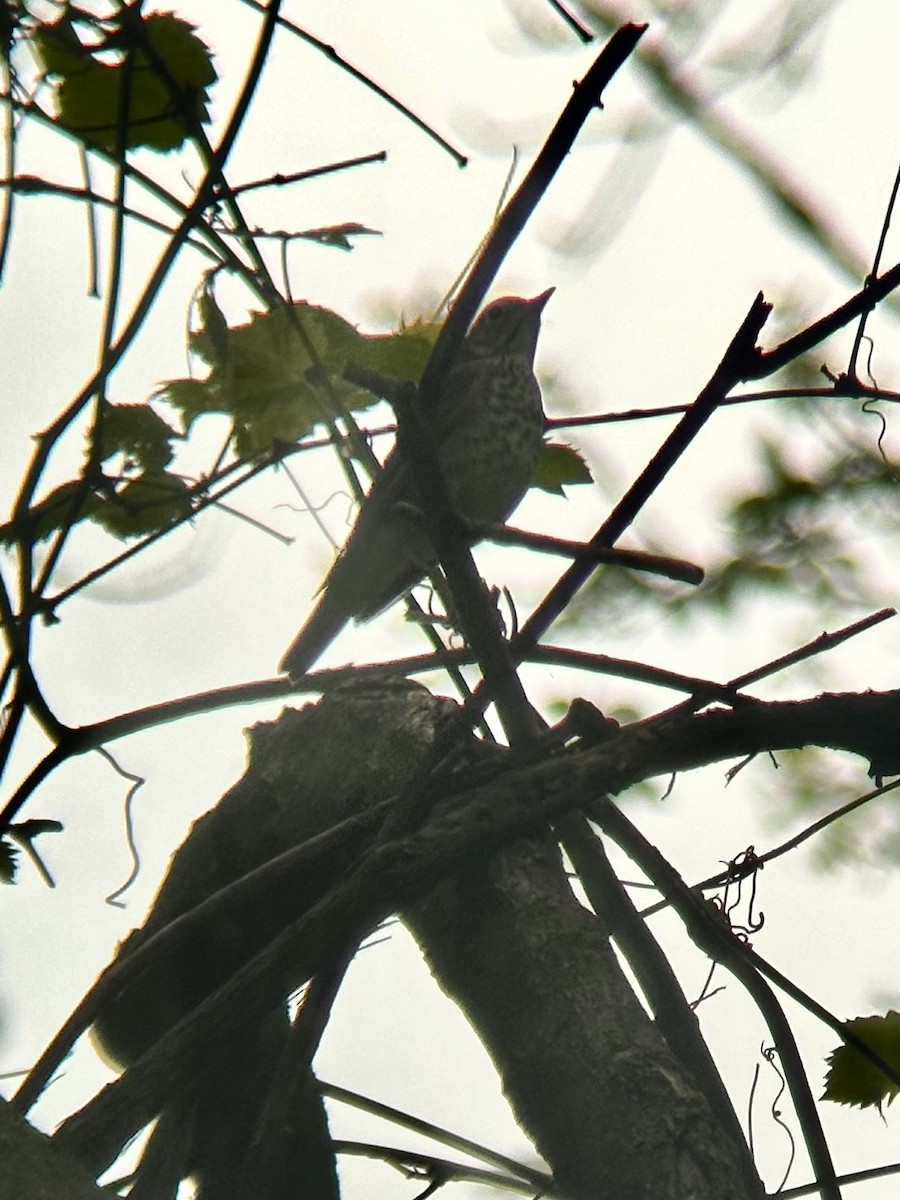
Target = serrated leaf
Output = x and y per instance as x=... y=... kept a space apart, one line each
x=66 y=505
x=281 y=373
x=9 y=855
x=560 y=466
x=139 y=433
x=94 y=96
x=400 y=355
x=58 y=48
x=282 y=349
x=191 y=397
x=211 y=340
x=852 y=1078
x=145 y=504
x=187 y=58
x=285 y=375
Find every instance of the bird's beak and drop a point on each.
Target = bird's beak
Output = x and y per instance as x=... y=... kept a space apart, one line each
x=539 y=301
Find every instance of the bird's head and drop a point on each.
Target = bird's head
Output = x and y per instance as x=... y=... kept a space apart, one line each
x=509 y=325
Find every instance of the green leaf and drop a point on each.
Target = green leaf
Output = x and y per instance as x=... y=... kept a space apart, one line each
x=210 y=342
x=285 y=375
x=186 y=58
x=144 y=505
x=65 y=505
x=9 y=855
x=157 y=84
x=852 y=1078
x=401 y=355
x=59 y=49
x=282 y=373
x=191 y=397
x=560 y=466
x=137 y=432
x=144 y=440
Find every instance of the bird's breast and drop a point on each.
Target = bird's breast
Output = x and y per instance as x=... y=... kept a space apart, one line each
x=489 y=455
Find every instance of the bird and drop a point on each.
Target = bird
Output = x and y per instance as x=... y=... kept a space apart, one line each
x=488 y=429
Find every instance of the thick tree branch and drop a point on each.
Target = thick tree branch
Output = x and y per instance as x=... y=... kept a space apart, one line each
x=475 y=823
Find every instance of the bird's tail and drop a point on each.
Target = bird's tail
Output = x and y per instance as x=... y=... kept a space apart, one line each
x=317 y=634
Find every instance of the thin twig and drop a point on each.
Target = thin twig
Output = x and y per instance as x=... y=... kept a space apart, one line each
x=427 y=1129
x=279 y=180
x=716 y=939
x=819 y=645
x=332 y=54
x=34 y=185
x=824 y=642
x=876 y=263
x=626 y=668
x=785 y=847
x=636 y=560
x=801 y=343
x=582 y=32
x=734 y=366
x=443 y=1170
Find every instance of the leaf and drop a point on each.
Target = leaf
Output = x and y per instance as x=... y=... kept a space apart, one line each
x=9 y=855
x=211 y=340
x=401 y=355
x=144 y=505
x=852 y=1078
x=186 y=57
x=59 y=49
x=560 y=466
x=64 y=505
x=155 y=94
x=285 y=375
x=137 y=432
x=282 y=373
x=191 y=397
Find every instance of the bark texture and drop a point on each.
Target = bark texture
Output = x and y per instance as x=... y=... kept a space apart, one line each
x=585 y=1069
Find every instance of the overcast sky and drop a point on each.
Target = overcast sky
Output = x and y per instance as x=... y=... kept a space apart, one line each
x=656 y=249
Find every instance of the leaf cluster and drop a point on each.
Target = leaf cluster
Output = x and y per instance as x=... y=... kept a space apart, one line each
x=281 y=373
x=124 y=83
x=275 y=378
x=853 y=1079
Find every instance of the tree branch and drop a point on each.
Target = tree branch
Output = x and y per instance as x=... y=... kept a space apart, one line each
x=473 y=824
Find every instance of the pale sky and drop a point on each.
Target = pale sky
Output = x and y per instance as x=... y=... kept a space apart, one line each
x=646 y=302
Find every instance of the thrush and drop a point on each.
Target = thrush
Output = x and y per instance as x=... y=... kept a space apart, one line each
x=487 y=428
